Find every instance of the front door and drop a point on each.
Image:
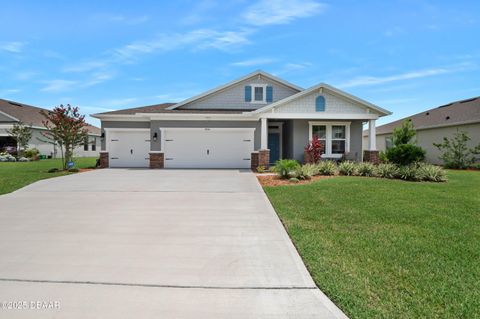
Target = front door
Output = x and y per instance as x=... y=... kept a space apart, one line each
x=274 y=147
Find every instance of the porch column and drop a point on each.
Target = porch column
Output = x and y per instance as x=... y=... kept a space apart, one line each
x=264 y=135
x=372 y=136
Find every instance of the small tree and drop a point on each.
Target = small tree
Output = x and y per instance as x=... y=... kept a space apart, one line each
x=456 y=154
x=66 y=127
x=404 y=150
x=22 y=135
x=314 y=150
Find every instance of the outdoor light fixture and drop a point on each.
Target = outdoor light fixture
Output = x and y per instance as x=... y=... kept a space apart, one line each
x=155 y=135
x=103 y=135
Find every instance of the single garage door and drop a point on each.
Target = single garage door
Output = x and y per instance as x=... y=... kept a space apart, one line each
x=129 y=148
x=208 y=147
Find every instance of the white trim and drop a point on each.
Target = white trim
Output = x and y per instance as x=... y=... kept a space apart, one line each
x=229 y=84
x=9 y=116
x=321 y=87
x=264 y=134
x=372 y=136
x=200 y=117
x=428 y=127
x=264 y=97
x=328 y=135
x=207 y=129
x=319 y=116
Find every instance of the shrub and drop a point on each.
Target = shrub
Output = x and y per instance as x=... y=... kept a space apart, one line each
x=32 y=153
x=286 y=167
x=327 y=168
x=382 y=156
x=431 y=173
x=294 y=180
x=53 y=170
x=409 y=173
x=366 y=169
x=23 y=159
x=455 y=153
x=475 y=166
x=5 y=157
x=386 y=170
x=405 y=154
x=347 y=168
x=261 y=169
x=314 y=150
x=73 y=170
x=305 y=172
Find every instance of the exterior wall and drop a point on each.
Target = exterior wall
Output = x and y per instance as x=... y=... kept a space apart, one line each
x=299 y=130
x=333 y=104
x=156 y=125
x=234 y=97
x=426 y=138
x=122 y=124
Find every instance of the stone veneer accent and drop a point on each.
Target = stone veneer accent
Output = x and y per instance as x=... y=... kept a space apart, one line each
x=104 y=160
x=157 y=160
x=371 y=156
x=264 y=158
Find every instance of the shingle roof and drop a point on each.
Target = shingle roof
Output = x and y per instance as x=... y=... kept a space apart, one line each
x=162 y=108
x=30 y=115
x=455 y=113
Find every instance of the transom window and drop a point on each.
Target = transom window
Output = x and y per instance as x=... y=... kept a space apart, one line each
x=335 y=136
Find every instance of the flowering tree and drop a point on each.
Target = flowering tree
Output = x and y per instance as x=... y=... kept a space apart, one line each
x=314 y=150
x=66 y=127
x=22 y=135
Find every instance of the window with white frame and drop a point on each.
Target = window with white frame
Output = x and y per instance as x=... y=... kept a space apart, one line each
x=334 y=135
x=259 y=93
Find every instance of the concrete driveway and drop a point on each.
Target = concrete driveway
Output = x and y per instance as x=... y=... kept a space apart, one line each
x=127 y=243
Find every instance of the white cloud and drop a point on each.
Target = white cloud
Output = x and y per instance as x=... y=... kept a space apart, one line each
x=7 y=92
x=254 y=62
x=58 y=85
x=374 y=80
x=98 y=77
x=114 y=103
x=267 y=12
x=85 y=66
x=13 y=47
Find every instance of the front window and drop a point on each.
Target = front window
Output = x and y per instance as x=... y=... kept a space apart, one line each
x=258 y=94
x=321 y=132
x=388 y=142
x=338 y=139
x=85 y=144
x=94 y=144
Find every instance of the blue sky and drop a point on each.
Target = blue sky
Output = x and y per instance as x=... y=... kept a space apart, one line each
x=405 y=56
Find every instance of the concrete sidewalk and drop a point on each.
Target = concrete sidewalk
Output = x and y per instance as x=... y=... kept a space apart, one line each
x=120 y=243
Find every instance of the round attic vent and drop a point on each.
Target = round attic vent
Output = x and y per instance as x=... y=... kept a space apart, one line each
x=428 y=113
x=447 y=118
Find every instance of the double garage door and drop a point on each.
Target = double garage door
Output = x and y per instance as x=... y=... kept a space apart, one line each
x=186 y=148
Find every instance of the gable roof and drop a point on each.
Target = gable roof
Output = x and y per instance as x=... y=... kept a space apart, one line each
x=330 y=88
x=232 y=83
x=30 y=115
x=454 y=113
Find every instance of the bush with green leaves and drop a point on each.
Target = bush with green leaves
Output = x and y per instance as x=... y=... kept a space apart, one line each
x=6 y=157
x=386 y=170
x=293 y=180
x=327 y=168
x=409 y=173
x=456 y=153
x=53 y=170
x=31 y=153
x=382 y=156
x=305 y=171
x=286 y=168
x=366 y=169
x=404 y=151
x=431 y=173
x=347 y=168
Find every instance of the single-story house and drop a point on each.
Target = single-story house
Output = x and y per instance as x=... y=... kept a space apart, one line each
x=13 y=112
x=251 y=121
x=435 y=124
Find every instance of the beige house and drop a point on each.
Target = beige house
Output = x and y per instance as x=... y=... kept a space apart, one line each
x=435 y=124
x=14 y=112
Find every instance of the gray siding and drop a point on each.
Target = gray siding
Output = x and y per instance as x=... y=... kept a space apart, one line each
x=300 y=139
x=4 y=118
x=234 y=97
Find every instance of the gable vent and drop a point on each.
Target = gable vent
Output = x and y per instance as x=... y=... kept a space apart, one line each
x=428 y=113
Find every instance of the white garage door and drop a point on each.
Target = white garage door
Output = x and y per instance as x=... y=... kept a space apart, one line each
x=208 y=147
x=129 y=148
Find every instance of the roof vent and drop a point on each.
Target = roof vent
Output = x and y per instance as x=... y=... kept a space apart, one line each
x=16 y=104
x=469 y=100
x=428 y=113
x=447 y=118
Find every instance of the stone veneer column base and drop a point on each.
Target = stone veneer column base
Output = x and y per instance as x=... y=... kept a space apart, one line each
x=371 y=156
x=103 y=159
x=254 y=161
x=264 y=158
x=157 y=160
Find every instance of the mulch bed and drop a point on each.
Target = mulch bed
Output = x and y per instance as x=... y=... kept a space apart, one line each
x=274 y=180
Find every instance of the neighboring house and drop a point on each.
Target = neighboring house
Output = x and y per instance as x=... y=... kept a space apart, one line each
x=435 y=124
x=252 y=121
x=14 y=112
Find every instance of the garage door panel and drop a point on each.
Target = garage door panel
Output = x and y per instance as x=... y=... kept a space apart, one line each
x=129 y=148
x=208 y=148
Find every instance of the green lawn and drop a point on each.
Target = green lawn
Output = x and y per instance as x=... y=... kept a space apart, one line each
x=389 y=248
x=17 y=175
